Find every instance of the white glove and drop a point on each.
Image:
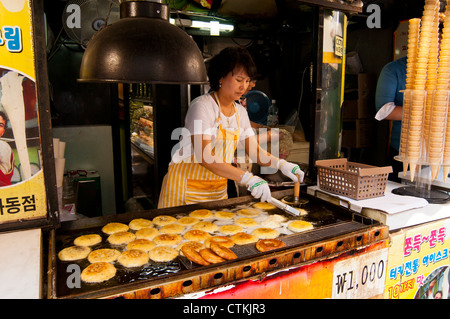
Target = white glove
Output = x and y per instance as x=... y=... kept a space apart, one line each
x=257 y=186
x=291 y=170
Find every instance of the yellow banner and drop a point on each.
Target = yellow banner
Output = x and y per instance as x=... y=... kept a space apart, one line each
x=16 y=49
x=419 y=262
x=23 y=201
x=22 y=186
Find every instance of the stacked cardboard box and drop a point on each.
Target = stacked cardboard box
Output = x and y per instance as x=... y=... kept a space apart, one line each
x=358 y=110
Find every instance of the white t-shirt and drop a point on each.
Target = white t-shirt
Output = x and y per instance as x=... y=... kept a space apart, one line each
x=201 y=118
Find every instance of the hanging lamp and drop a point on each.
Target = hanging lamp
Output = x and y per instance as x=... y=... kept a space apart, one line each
x=143 y=47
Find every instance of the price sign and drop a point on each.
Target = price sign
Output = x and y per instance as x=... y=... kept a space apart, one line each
x=360 y=277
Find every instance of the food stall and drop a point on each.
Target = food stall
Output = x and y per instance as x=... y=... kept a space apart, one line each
x=334 y=234
x=28 y=195
x=330 y=247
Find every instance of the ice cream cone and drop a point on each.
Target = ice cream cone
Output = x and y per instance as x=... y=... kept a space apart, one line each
x=405 y=167
x=446 y=170
x=435 y=171
x=412 y=170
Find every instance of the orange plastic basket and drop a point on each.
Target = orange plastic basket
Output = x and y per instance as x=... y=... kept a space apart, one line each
x=354 y=180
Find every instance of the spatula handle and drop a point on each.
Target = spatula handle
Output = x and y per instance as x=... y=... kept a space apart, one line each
x=297 y=189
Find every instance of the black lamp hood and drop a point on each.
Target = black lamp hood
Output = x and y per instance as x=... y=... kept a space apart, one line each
x=143 y=47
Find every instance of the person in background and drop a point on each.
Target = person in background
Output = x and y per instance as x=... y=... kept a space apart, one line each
x=242 y=100
x=215 y=123
x=268 y=135
x=389 y=106
x=6 y=155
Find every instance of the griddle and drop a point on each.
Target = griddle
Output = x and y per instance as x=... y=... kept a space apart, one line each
x=336 y=230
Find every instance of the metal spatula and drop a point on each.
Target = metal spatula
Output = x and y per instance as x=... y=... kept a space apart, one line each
x=285 y=207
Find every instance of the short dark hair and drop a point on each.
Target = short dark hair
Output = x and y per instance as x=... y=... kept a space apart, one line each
x=3 y=115
x=226 y=61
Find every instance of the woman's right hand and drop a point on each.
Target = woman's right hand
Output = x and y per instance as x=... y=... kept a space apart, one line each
x=258 y=187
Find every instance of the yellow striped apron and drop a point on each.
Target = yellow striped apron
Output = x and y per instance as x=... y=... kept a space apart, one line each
x=188 y=182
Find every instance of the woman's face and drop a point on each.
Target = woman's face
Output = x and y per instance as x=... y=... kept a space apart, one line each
x=235 y=83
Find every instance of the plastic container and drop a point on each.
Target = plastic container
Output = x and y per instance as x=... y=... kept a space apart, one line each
x=354 y=180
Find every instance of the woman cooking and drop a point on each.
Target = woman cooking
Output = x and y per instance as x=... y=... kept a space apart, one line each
x=215 y=123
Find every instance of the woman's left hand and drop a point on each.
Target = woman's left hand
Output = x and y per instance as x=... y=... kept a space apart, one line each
x=291 y=170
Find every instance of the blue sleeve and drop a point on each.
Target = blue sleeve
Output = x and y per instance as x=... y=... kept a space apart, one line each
x=391 y=83
x=386 y=87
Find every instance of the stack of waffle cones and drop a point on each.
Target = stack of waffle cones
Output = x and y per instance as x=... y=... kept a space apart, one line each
x=443 y=80
x=425 y=105
x=418 y=96
x=430 y=84
x=435 y=129
x=413 y=40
